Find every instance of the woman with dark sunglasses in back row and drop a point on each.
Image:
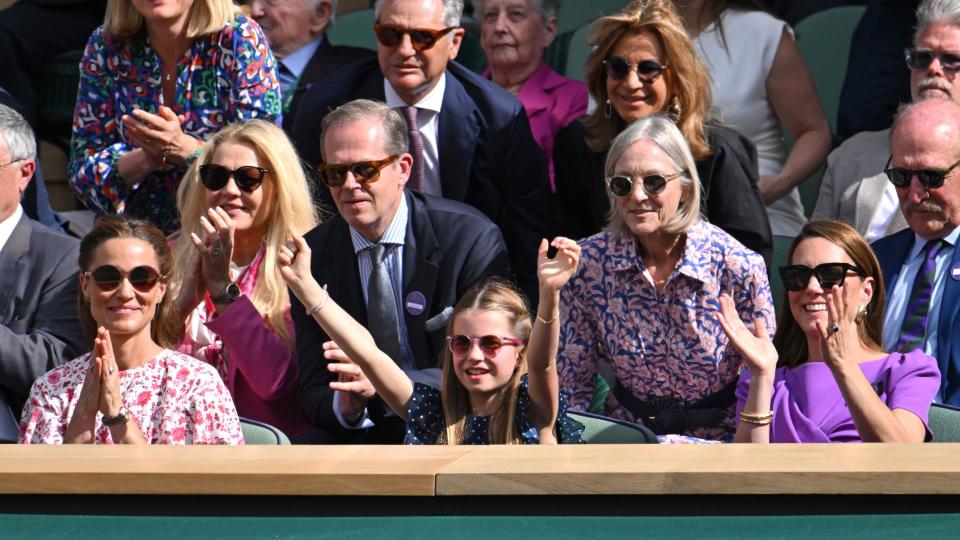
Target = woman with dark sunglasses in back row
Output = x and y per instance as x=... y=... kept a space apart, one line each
x=242 y=199
x=131 y=389
x=825 y=376
x=643 y=63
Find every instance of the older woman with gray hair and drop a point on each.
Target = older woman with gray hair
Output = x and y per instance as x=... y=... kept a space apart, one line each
x=514 y=34
x=647 y=292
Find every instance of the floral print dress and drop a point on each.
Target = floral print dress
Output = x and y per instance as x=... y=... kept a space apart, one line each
x=174 y=398
x=228 y=76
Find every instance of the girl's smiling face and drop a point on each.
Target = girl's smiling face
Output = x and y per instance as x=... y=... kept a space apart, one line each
x=484 y=373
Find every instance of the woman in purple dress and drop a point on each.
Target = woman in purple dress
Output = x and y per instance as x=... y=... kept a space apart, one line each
x=825 y=376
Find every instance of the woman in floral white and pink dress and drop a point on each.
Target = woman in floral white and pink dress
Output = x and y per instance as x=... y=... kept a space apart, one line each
x=131 y=389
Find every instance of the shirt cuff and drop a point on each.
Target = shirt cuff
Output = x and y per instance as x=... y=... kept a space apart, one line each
x=363 y=423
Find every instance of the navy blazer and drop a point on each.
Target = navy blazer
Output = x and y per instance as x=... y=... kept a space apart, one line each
x=448 y=248
x=892 y=252
x=488 y=157
x=39 y=327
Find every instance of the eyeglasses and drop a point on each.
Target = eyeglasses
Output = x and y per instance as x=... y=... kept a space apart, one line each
x=248 y=178
x=622 y=184
x=365 y=172
x=11 y=162
x=796 y=277
x=928 y=178
x=920 y=59
x=460 y=344
x=647 y=70
x=108 y=278
x=420 y=38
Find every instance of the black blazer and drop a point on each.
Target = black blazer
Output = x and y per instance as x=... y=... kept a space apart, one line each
x=448 y=248
x=327 y=59
x=39 y=328
x=488 y=157
x=728 y=178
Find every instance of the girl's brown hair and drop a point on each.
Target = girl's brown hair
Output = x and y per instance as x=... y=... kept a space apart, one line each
x=165 y=328
x=491 y=295
x=790 y=341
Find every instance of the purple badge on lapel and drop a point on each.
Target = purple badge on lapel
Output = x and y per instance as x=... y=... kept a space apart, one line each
x=415 y=303
x=955 y=271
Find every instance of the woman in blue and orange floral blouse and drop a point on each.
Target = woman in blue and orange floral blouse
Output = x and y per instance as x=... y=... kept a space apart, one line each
x=156 y=79
x=646 y=295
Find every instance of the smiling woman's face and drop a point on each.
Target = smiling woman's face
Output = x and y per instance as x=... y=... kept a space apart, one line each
x=645 y=214
x=632 y=97
x=250 y=211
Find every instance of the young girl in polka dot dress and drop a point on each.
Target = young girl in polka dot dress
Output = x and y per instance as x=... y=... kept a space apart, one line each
x=500 y=382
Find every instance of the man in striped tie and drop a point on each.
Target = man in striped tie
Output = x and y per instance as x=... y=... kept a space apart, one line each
x=921 y=265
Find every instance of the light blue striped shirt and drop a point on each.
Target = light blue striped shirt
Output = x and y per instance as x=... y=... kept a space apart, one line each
x=900 y=293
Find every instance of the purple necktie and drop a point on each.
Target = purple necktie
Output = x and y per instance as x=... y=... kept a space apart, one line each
x=416 y=147
x=914 y=328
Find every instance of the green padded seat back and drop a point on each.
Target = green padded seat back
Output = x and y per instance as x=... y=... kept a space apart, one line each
x=259 y=433
x=602 y=430
x=944 y=423
x=354 y=29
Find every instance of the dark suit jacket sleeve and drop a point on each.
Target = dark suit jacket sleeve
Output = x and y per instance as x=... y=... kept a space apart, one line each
x=729 y=180
x=486 y=258
x=316 y=398
x=40 y=337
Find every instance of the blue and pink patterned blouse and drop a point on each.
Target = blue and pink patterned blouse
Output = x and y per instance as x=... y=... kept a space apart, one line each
x=228 y=76
x=666 y=344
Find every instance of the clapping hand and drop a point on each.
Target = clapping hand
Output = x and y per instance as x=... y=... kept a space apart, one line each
x=160 y=135
x=755 y=347
x=353 y=386
x=110 y=397
x=554 y=273
x=833 y=332
x=215 y=248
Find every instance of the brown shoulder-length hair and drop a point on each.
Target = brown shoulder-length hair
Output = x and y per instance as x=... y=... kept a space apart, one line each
x=790 y=341
x=123 y=21
x=687 y=80
x=490 y=295
x=165 y=328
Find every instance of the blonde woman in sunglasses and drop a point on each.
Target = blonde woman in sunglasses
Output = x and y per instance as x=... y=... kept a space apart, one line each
x=131 y=388
x=825 y=376
x=239 y=202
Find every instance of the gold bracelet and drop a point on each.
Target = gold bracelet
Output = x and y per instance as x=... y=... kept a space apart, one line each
x=319 y=305
x=541 y=319
x=758 y=419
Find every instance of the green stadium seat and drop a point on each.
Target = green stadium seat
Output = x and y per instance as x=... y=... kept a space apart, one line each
x=944 y=422
x=575 y=13
x=602 y=430
x=354 y=29
x=259 y=433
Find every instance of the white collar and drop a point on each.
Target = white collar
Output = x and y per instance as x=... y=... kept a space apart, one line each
x=433 y=101
x=297 y=61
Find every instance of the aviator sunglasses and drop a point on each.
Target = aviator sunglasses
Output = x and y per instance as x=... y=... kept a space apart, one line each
x=622 y=184
x=647 y=70
x=796 y=277
x=928 y=178
x=365 y=172
x=248 y=178
x=108 y=278
x=420 y=38
x=920 y=60
x=460 y=344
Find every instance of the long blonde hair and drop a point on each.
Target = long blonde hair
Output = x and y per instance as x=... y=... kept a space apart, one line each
x=491 y=295
x=291 y=211
x=122 y=20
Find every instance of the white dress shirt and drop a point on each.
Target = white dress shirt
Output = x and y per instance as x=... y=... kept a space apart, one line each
x=428 y=111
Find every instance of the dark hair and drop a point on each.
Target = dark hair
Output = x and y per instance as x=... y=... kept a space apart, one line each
x=790 y=341
x=165 y=328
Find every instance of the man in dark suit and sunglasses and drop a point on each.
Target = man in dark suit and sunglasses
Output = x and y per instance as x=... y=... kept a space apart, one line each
x=39 y=327
x=921 y=264
x=394 y=259
x=470 y=139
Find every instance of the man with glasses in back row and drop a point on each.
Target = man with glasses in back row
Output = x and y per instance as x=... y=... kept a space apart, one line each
x=854 y=187
x=395 y=260
x=470 y=139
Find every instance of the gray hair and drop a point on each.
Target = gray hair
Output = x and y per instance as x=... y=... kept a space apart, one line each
x=907 y=109
x=659 y=129
x=394 y=126
x=16 y=135
x=547 y=9
x=452 y=11
x=936 y=11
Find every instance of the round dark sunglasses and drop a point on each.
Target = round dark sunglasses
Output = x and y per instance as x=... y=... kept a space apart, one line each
x=928 y=178
x=647 y=70
x=365 y=172
x=248 y=178
x=920 y=60
x=622 y=184
x=796 y=277
x=420 y=38
x=108 y=278
x=460 y=344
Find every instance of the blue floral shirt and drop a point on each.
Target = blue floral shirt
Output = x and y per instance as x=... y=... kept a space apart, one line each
x=666 y=344
x=227 y=76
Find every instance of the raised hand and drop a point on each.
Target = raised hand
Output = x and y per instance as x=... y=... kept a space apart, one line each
x=833 y=333
x=294 y=262
x=755 y=347
x=215 y=248
x=354 y=387
x=554 y=273
x=110 y=397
